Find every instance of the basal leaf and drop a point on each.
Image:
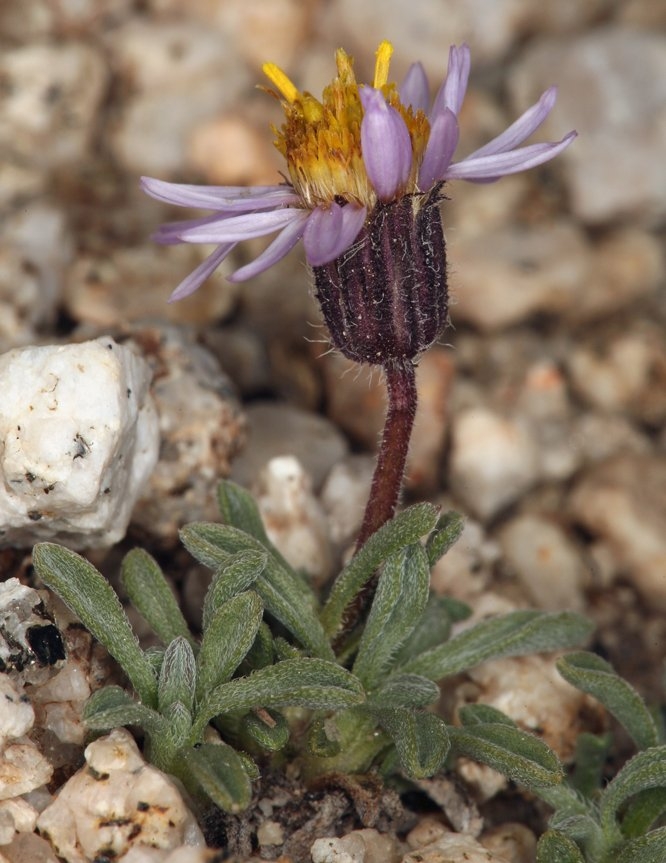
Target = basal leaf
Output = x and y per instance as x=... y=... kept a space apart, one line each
x=513 y=634
x=555 y=847
x=421 y=740
x=399 y=602
x=514 y=753
x=592 y=674
x=483 y=714
x=93 y=600
x=405 y=529
x=232 y=578
x=647 y=849
x=404 y=690
x=268 y=728
x=151 y=595
x=445 y=533
x=221 y=773
x=645 y=770
x=177 y=676
x=113 y=707
x=239 y=509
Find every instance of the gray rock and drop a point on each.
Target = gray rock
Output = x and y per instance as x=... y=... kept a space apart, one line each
x=613 y=91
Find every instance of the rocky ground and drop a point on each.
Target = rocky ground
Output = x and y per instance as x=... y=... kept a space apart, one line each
x=541 y=412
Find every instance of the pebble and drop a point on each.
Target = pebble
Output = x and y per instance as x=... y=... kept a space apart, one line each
x=622 y=502
x=466 y=569
x=493 y=460
x=59 y=702
x=135 y=283
x=201 y=429
x=186 y=854
x=80 y=437
x=453 y=848
x=359 y=846
x=277 y=428
x=28 y=848
x=22 y=769
x=513 y=841
x=28 y=635
x=612 y=89
x=42 y=18
x=162 y=63
x=293 y=518
x=16 y=816
x=344 y=496
x=49 y=102
x=505 y=277
x=231 y=151
x=546 y=562
x=115 y=803
x=17 y=716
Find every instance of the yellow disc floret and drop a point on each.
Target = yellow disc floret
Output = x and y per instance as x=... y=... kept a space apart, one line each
x=321 y=139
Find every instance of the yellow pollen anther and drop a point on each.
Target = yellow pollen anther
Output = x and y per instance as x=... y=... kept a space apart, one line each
x=281 y=81
x=383 y=55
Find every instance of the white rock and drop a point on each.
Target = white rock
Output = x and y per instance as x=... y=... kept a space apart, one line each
x=359 y=846
x=344 y=496
x=612 y=89
x=60 y=702
x=115 y=803
x=453 y=848
x=545 y=561
x=512 y=841
x=17 y=716
x=292 y=516
x=78 y=439
x=186 y=854
x=28 y=635
x=16 y=816
x=49 y=101
x=465 y=570
x=22 y=768
x=493 y=460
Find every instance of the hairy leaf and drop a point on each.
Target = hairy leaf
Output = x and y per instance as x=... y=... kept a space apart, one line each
x=404 y=690
x=239 y=509
x=230 y=579
x=518 y=755
x=226 y=640
x=177 y=676
x=647 y=849
x=421 y=740
x=113 y=707
x=151 y=595
x=268 y=728
x=513 y=634
x=483 y=714
x=405 y=529
x=592 y=674
x=643 y=811
x=89 y=595
x=399 y=602
x=221 y=773
x=446 y=532
x=555 y=847
x=645 y=770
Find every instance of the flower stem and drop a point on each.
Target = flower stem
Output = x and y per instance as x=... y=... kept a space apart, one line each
x=389 y=471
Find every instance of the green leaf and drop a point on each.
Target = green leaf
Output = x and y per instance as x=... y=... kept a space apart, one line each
x=646 y=849
x=323 y=737
x=230 y=579
x=589 y=759
x=646 y=807
x=514 y=634
x=555 y=847
x=239 y=509
x=113 y=707
x=262 y=652
x=446 y=532
x=645 y=770
x=421 y=740
x=89 y=595
x=221 y=773
x=514 y=753
x=226 y=640
x=283 y=593
x=592 y=674
x=483 y=714
x=313 y=683
x=269 y=729
x=433 y=627
x=399 y=602
x=179 y=725
x=150 y=593
x=177 y=676
x=404 y=690
x=405 y=529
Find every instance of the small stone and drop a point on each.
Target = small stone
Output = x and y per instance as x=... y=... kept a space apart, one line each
x=29 y=848
x=276 y=429
x=60 y=702
x=28 y=634
x=22 y=769
x=465 y=571
x=80 y=439
x=117 y=802
x=17 y=716
x=201 y=426
x=512 y=841
x=612 y=89
x=16 y=816
x=453 y=848
x=293 y=518
x=545 y=561
x=622 y=502
x=427 y=831
x=49 y=102
x=359 y=846
x=230 y=151
x=270 y=832
x=493 y=460
x=44 y=18
x=344 y=497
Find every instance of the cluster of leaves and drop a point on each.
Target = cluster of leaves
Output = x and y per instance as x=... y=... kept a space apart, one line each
x=615 y=823
x=207 y=705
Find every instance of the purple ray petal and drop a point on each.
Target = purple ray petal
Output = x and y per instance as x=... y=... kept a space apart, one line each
x=281 y=246
x=238 y=198
x=414 y=90
x=169 y=233
x=198 y=276
x=245 y=227
x=519 y=131
x=494 y=167
x=330 y=231
x=452 y=92
x=385 y=144
x=439 y=151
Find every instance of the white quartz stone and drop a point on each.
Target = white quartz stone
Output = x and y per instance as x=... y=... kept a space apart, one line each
x=17 y=716
x=78 y=439
x=115 y=803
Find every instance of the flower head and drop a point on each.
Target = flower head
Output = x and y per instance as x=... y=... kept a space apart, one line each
x=349 y=155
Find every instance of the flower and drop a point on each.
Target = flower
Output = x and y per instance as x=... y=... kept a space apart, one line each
x=348 y=155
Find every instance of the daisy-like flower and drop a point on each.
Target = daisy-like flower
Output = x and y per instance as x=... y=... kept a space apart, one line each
x=356 y=149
